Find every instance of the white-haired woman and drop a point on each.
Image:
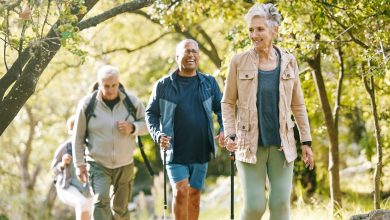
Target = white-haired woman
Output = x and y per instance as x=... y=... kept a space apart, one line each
x=262 y=91
x=69 y=189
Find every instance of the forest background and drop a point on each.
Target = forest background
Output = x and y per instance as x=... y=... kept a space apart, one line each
x=51 y=49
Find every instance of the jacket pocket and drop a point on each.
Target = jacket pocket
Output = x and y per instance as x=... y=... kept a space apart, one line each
x=290 y=132
x=287 y=81
x=288 y=74
x=242 y=130
x=246 y=85
x=246 y=75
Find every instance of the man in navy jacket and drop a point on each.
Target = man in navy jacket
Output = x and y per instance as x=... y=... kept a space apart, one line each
x=179 y=118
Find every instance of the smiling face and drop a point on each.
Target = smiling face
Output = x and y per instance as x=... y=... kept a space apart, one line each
x=187 y=58
x=260 y=33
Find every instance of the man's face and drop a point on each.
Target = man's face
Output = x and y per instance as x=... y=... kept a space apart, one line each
x=109 y=87
x=188 y=58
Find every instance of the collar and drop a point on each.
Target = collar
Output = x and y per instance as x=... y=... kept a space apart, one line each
x=173 y=77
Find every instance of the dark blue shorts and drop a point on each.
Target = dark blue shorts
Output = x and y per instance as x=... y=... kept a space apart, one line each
x=194 y=172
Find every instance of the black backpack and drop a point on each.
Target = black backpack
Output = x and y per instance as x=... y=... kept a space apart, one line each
x=89 y=112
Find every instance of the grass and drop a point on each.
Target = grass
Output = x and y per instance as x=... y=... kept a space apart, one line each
x=356 y=199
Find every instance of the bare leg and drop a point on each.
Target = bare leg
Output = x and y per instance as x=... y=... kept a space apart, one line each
x=85 y=215
x=180 y=200
x=193 y=204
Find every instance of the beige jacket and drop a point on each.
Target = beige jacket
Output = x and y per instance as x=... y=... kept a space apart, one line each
x=239 y=110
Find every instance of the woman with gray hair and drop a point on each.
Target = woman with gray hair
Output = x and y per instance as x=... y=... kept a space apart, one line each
x=262 y=91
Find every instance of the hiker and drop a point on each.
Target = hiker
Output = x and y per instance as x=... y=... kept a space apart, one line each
x=262 y=90
x=179 y=118
x=69 y=189
x=109 y=132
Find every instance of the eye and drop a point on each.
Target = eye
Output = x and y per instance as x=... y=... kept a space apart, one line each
x=251 y=30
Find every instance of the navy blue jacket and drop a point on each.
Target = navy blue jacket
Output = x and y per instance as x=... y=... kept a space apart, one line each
x=160 y=111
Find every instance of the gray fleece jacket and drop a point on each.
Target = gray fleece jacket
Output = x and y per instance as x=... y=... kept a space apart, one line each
x=106 y=145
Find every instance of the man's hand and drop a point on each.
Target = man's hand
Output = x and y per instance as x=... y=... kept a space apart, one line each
x=82 y=173
x=164 y=141
x=221 y=139
x=125 y=127
x=307 y=156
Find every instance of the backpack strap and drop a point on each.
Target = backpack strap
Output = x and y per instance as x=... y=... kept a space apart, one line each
x=89 y=112
x=69 y=147
x=129 y=105
x=131 y=109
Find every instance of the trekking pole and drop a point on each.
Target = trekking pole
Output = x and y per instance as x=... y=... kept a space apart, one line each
x=232 y=160
x=165 y=183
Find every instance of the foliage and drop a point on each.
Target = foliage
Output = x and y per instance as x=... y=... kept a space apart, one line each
x=142 y=45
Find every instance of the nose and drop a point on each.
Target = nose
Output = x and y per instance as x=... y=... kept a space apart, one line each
x=254 y=34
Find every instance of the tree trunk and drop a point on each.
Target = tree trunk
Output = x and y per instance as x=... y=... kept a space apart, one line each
x=22 y=77
x=50 y=198
x=335 y=191
x=370 y=88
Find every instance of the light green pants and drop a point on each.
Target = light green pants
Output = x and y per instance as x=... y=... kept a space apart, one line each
x=101 y=179
x=271 y=162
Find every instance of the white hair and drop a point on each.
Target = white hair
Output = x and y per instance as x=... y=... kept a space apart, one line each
x=107 y=71
x=180 y=45
x=267 y=11
x=70 y=123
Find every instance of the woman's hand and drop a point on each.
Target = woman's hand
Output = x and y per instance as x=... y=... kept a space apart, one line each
x=230 y=144
x=307 y=156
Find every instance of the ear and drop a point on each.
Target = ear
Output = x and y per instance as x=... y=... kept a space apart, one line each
x=275 y=31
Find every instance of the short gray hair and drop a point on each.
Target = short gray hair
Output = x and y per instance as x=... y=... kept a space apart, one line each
x=107 y=71
x=181 y=44
x=267 y=11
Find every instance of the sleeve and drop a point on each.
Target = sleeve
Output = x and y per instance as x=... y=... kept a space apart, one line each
x=153 y=114
x=298 y=107
x=78 y=137
x=139 y=123
x=55 y=164
x=229 y=99
x=217 y=103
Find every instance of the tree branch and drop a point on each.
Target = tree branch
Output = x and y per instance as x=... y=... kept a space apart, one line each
x=214 y=51
x=5 y=40
x=137 y=48
x=12 y=6
x=46 y=17
x=213 y=54
x=126 y=7
x=25 y=154
x=356 y=40
x=339 y=89
x=35 y=63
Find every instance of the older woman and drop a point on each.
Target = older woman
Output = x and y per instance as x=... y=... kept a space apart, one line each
x=262 y=91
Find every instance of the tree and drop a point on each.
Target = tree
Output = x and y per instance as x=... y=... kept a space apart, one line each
x=35 y=53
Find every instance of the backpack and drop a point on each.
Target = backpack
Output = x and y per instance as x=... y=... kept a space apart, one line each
x=89 y=112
